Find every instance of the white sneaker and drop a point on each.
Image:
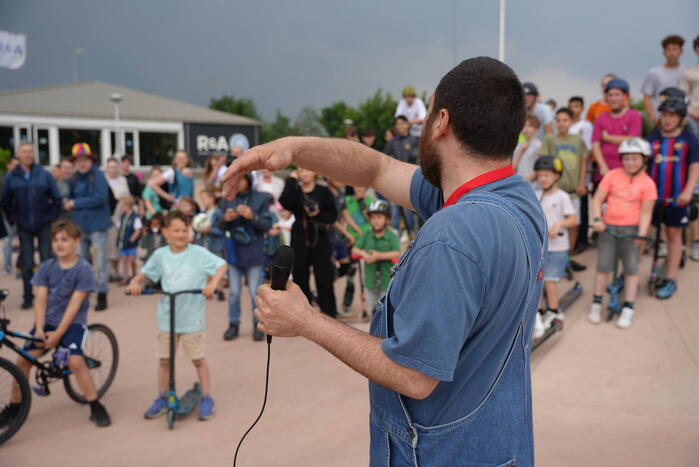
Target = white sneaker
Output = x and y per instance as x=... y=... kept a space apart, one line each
x=550 y=316
x=595 y=314
x=662 y=250
x=539 y=328
x=624 y=320
x=695 y=251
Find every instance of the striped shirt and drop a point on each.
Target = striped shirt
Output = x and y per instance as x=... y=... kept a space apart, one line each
x=670 y=160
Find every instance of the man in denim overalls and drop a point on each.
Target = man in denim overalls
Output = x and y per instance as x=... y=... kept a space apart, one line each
x=448 y=354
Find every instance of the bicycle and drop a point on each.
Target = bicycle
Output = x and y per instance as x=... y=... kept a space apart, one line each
x=101 y=353
x=176 y=406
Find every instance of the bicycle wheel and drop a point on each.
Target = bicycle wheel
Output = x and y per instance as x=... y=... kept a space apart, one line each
x=10 y=422
x=101 y=353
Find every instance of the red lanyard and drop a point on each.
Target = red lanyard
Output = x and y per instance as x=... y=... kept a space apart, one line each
x=483 y=179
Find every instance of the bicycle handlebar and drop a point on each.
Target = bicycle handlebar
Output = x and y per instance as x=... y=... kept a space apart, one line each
x=158 y=291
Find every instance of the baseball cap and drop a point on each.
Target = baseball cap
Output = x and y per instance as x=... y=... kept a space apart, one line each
x=409 y=91
x=530 y=88
x=617 y=83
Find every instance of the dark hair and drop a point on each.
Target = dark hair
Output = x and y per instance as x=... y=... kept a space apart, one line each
x=177 y=215
x=126 y=157
x=551 y=101
x=158 y=216
x=368 y=132
x=208 y=191
x=564 y=110
x=576 y=99
x=69 y=227
x=351 y=132
x=696 y=42
x=533 y=120
x=190 y=201
x=401 y=117
x=485 y=101
x=673 y=39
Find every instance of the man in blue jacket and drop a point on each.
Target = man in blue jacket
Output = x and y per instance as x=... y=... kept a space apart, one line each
x=246 y=220
x=89 y=203
x=31 y=200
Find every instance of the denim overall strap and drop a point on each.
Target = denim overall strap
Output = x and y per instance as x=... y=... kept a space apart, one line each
x=397 y=440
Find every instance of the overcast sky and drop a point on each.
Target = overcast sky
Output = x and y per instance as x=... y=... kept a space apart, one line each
x=287 y=54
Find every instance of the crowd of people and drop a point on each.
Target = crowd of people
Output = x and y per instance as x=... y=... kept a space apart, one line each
x=601 y=177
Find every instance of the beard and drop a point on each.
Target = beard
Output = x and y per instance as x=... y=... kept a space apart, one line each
x=430 y=159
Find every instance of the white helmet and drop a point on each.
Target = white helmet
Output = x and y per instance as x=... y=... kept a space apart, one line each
x=635 y=146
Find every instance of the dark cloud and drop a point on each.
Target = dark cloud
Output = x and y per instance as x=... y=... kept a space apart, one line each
x=289 y=54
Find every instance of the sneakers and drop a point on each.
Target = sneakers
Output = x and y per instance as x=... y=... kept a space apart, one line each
x=101 y=301
x=156 y=409
x=99 y=415
x=552 y=316
x=666 y=290
x=206 y=408
x=595 y=314
x=27 y=304
x=231 y=333
x=257 y=335
x=624 y=320
x=9 y=413
x=220 y=296
x=577 y=267
x=539 y=328
x=695 y=251
x=662 y=250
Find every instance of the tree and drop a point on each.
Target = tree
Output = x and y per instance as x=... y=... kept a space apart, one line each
x=376 y=113
x=333 y=117
x=228 y=103
x=308 y=123
x=280 y=127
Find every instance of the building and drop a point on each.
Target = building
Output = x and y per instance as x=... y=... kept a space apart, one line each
x=146 y=126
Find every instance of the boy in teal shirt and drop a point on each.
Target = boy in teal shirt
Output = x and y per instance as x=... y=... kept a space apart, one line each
x=378 y=247
x=182 y=266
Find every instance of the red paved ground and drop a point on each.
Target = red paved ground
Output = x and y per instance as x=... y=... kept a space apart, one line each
x=602 y=396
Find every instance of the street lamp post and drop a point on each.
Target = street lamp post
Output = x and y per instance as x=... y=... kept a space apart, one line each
x=116 y=98
x=501 y=32
x=76 y=55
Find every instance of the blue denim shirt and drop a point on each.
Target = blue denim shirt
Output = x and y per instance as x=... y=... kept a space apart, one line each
x=460 y=309
x=90 y=193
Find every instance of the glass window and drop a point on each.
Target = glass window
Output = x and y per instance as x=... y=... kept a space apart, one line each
x=128 y=142
x=7 y=139
x=157 y=148
x=67 y=137
x=42 y=143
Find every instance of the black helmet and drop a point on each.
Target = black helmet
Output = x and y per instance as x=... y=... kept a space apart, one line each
x=675 y=105
x=552 y=163
x=380 y=206
x=673 y=92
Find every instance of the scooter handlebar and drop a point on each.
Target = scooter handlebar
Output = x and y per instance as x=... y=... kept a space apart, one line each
x=157 y=291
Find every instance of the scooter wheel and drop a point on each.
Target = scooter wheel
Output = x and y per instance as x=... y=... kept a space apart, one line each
x=171 y=414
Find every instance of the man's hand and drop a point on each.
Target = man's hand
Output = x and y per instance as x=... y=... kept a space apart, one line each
x=370 y=257
x=581 y=190
x=51 y=340
x=685 y=197
x=271 y=156
x=244 y=211
x=134 y=287
x=68 y=205
x=553 y=231
x=209 y=290
x=283 y=313
x=230 y=215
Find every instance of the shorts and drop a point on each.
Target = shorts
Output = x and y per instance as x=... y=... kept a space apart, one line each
x=74 y=339
x=339 y=250
x=671 y=216
x=130 y=252
x=610 y=249
x=556 y=262
x=192 y=342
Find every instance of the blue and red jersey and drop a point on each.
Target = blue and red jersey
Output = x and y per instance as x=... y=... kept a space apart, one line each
x=670 y=160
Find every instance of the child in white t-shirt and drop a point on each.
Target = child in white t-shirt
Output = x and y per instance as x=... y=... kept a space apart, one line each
x=560 y=216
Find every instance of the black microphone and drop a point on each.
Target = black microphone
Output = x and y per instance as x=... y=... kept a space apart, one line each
x=282 y=265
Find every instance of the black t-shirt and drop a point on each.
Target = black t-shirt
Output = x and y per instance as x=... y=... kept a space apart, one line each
x=135 y=186
x=294 y=199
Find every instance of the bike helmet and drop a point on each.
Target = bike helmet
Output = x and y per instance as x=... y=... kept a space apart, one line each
x=552 y=163
x=675 y=105
x=673 y=92
x=380 y=206
x=617 y=83
x=635 y=146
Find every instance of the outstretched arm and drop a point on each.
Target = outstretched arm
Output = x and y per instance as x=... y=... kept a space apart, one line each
x=346 y=161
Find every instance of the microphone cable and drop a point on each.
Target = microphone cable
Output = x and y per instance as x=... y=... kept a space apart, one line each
x=264 y=403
